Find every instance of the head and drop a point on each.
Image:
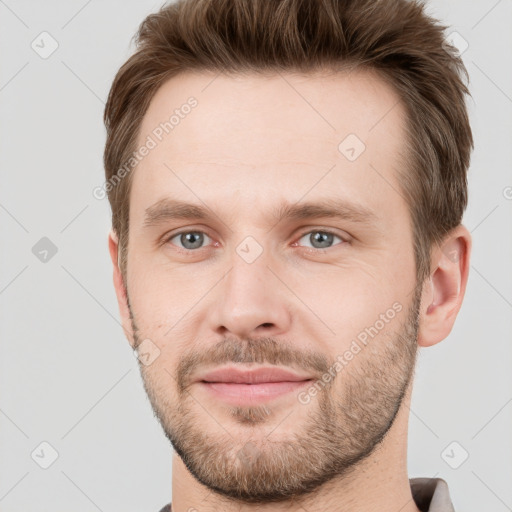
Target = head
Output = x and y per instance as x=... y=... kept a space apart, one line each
x=287 y=183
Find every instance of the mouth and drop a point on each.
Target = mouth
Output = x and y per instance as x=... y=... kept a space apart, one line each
x=239 y=387
x=252 y=393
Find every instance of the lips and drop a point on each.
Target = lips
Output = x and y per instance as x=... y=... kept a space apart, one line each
x=253 y=376
x=237 y=386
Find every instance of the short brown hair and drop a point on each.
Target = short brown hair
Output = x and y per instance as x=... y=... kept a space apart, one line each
x=397 y=38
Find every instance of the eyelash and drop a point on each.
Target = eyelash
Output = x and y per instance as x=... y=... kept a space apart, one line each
x=167 y=239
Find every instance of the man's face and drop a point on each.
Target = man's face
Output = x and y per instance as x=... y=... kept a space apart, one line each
x=244 y=288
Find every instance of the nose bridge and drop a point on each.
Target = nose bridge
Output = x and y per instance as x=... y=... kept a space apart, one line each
x=249 y=271
x=250 y=298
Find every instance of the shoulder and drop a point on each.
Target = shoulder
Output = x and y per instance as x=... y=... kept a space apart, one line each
x=431 y=494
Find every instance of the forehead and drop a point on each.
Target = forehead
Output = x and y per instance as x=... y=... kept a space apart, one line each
x=255 y=137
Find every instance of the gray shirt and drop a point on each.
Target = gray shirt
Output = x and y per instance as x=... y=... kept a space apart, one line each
x=430 y=495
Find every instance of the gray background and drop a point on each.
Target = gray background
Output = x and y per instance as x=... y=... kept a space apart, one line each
x=67 y=374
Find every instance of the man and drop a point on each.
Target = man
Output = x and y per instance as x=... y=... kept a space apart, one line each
x=287 y=182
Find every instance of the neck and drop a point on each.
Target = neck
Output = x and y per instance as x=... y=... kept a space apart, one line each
x=380 y=483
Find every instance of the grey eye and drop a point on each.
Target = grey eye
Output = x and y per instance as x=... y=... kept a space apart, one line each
x=190 y=240
x=320 y=239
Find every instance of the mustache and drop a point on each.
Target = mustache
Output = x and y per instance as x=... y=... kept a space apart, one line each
x=249 y=350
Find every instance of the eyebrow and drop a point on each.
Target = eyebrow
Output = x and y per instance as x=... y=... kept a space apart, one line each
x=173 y=209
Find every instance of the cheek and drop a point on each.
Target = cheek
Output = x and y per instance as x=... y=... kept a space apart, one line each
x=162 y=315
x=353 y=287
x=158 y=293
x=357 y=303
x=159 y=353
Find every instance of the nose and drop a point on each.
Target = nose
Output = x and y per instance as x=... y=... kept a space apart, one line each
x=251 y=301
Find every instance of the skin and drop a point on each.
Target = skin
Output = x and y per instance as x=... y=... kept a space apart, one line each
x=251 y=143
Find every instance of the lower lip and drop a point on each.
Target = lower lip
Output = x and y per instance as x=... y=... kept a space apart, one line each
x=252 y=393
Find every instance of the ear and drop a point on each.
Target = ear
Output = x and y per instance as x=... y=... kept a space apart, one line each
x=444 y=291
x=120 y=288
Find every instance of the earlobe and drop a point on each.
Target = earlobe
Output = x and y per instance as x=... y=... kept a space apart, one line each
x=443 y=293
x=120 y=287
